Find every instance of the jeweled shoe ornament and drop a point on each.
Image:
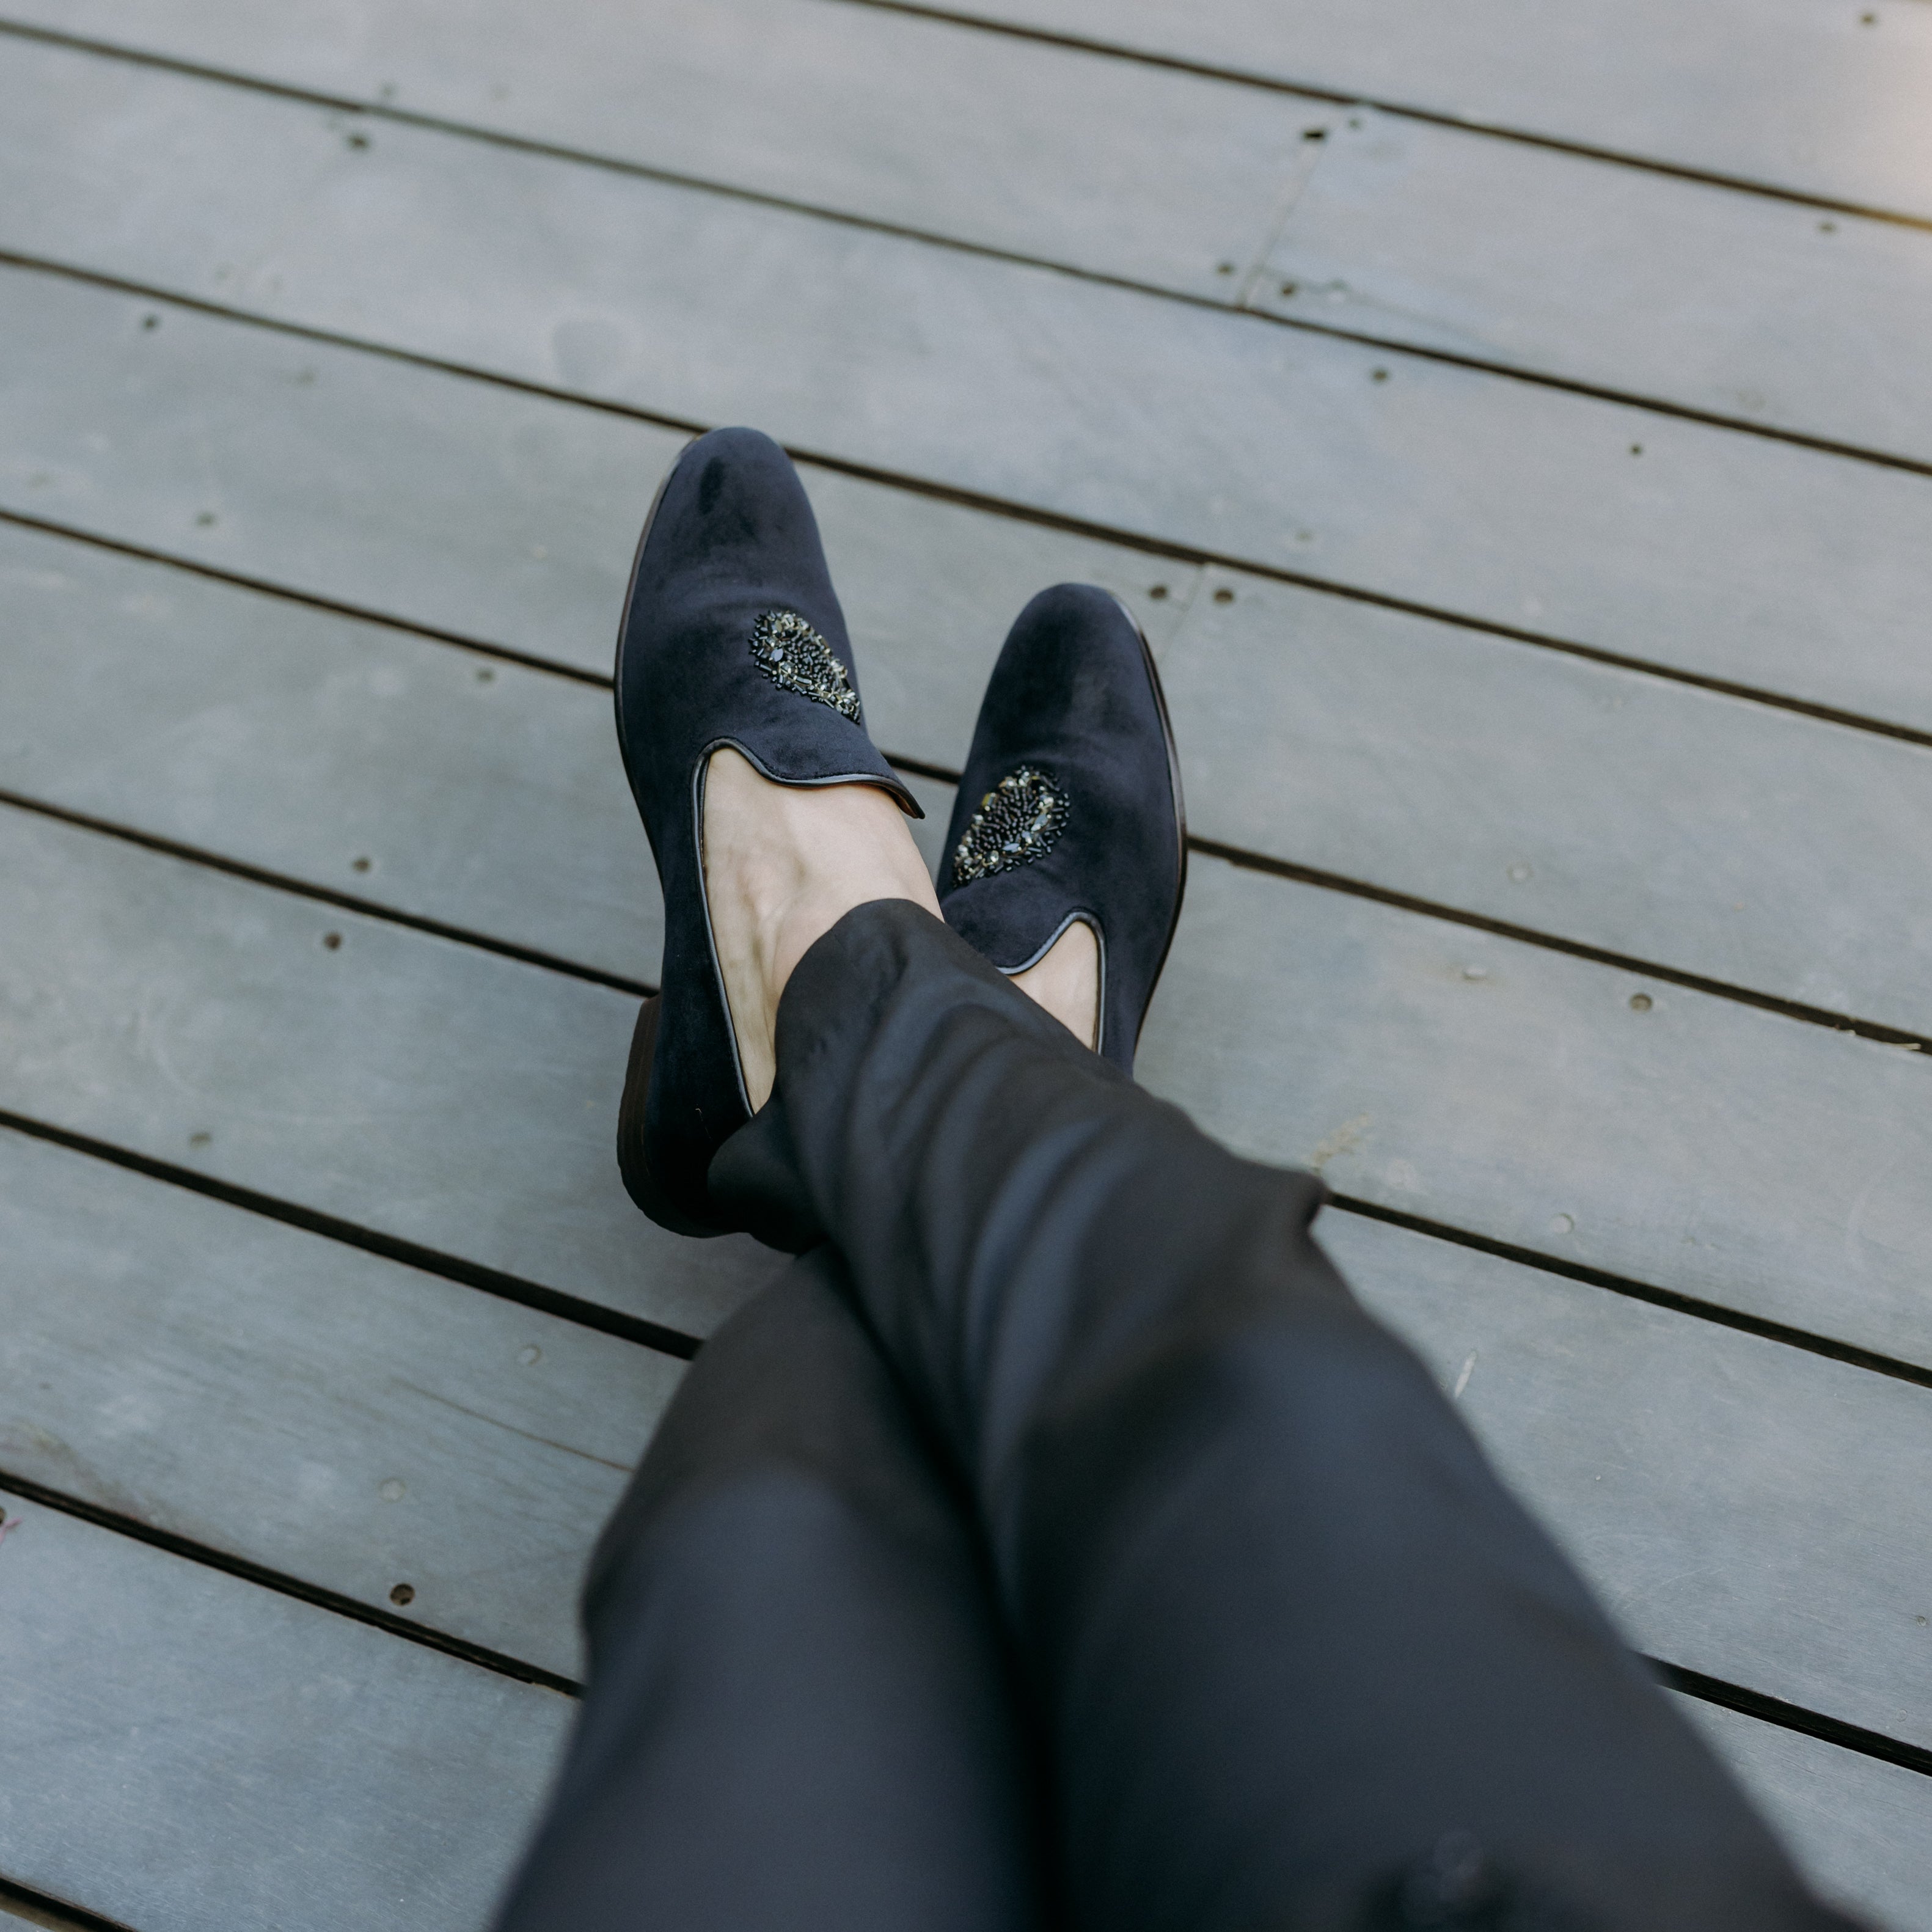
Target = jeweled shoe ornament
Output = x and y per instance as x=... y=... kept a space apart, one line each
x=1016 y=823
x=796 y=657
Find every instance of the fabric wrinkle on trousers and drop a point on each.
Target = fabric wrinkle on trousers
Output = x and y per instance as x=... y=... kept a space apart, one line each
x=1285 y=1654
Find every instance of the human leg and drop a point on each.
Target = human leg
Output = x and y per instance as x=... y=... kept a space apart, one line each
x=1300 y=1659
x=798 y=1717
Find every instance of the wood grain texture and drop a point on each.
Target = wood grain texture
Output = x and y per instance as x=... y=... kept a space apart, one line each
x=1476 y=495
x=1722 y=1152
x=1603 y=806
x=1105 y=165
x=1714 y=1149
x=1858 y=1827
x=439 y=1094
x=1763 y=310
x=1747 y=306
x=468 y=508
x=1703 y=1479
x=284 y=1398
x=356 y=1781
x=1818 y=100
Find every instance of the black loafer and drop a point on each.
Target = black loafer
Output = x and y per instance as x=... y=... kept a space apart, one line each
x=731 y=635
x=1070 y=808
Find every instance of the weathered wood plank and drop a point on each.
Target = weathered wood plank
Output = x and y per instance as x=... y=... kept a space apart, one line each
x=1860 y=1827
x=464 y=1101
x=275 y=1396
x=1745 y=306
x=1732 y=1498
x=1599 y=804
x=1496 y=500
x=447 y=1097
x=241 y=1758
x=1748 y=306
x=1106 y=165
x=285 y=1399
x=467 y=507
x=1602 y=805
x=1707 y=1147
x=1818 y=100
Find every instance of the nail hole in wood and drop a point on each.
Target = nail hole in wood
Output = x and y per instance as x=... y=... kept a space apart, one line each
x=1224 y=595
x=357 y=141
x=1158 y=592
x=1315 y=133
x=199 y=1140
x=1225 y=269
x=486 y=676
x=205 y=521
x=150 y=322
x=1378 y=375
x=359 y=864
x=1289 y=288
x=331 y=942
x=1828 y=228
x=1637 y=449
x=1640 y=1003
x=402 y=1596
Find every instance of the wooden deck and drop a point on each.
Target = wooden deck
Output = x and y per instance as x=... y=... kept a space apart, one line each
x=1511 y=423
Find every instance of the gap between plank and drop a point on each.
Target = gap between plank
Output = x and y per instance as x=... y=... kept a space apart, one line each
x=1235 y=76
x=284 y=1585
x=1756 y=1704
x=933 y=238
x=653 y=1335
x=1264 y=862
x=39 y=1908
x=1009 y=508
x=1715 y=1312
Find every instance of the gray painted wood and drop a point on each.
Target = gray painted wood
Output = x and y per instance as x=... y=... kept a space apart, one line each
x=1717 y=1150
x=467 y=507
x=1599 y=804
x=1809 y=98
x=416 y=1086
x=1750 y=306
x=1758 y=309
x=1494 y=500
x=1736 y=1501
x=283 y=1398
x=1859 y=1827
x=1107 y=165
x=464 y=1101
x=1602 y=805
x=183 y=1750
x=362 y=759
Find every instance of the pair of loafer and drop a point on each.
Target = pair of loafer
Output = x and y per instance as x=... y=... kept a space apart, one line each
x=1070 y=808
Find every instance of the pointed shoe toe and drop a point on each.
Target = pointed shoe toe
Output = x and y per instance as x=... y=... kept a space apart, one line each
x=731 y=636
x=1069 y=807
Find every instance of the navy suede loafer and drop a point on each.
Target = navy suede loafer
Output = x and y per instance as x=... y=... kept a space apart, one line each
x=731 y=635
x=1070 y=808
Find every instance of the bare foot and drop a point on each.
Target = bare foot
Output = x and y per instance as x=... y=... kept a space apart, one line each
x=1066 y=982
x=783 y=864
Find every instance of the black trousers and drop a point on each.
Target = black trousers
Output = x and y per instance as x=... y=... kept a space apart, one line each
x=1058 y=1541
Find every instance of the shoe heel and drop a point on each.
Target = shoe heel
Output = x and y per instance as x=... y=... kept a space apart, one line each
x=640 y=1182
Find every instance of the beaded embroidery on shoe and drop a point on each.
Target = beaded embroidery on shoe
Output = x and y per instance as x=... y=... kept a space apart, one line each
x=796 y=657
x=1016 y=823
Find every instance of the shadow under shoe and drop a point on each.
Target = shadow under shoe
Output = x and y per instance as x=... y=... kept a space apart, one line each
x=731 y=635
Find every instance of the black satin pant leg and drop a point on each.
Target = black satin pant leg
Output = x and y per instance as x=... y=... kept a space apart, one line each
x=1300 y=1659
x=798 y=1717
